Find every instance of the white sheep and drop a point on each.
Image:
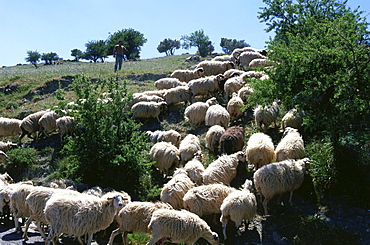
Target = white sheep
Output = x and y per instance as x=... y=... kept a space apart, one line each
x=196 y=112
x=213 y=136
x=195 y=168
x=246 y=57
x=224 y=169
x=135 y=217
x=234 y=107
x=30 y=125
x=266 y=115
x=291 y=146
x=165 y=155
x=236 y=52
x=260 y=150
x=10 y=127
x=278 y=178
x=6 y=146
x=168 y=82
x=188 y=147
x=80 y=215
x=260 y=63
x=147 y=109
x=65 y=125
x=229 y=58
x=206 y=199
x=188 y=75
x=292 y=119
x=217 y=115
x=170 y=136
x=206 y=86
x=232 y=73
x=179 y=226
x=233 y=85
x=48 y=122
x=175 y=189
x=36 y=201
x=215 y=67
x=244 y=92
x=177 y=95
x=137 y=97
x=239 y=206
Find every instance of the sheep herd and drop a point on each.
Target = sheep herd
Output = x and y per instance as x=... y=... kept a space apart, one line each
x=192 y=190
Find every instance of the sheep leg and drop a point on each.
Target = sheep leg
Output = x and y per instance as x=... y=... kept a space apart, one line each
x=113 y=235
x=125 y=238
x=154 y=239
x=89 y=240
x=40 y=228
x=290 y=198
x=224 y=224
x=28 y=222
x=265 y=205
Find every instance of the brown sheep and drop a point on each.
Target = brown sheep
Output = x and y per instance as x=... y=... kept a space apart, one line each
x=232 y=140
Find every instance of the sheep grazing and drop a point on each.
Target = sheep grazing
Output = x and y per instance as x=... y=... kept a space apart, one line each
x=260 y=150
x=224 y=169
x=175 y=189
x=30 y=125
x=291 y=146
x=233 y=85
x=244 y=92
x=188 y=75
x=65 y=125
x=179 y=226
x=206 y=86
x=188 y=147
x=170 y=136
x=137 y=97
x=278 y=178
x=177 y=95
x=206 y=199
x=145 y=110
x=239 y=206
x=266 y=115
x=236 y=52
x=48 y=122
x=7 y=146
x=217 y=115
x=260 y=63
x=165 y=155
x=3 y=157
x=168 y=82
x=195 y=168
x=232 y=140
x=215 y=67
x=234 y=107
x=196 y=112
x=80 y=215
x=232 y=73
x=213 y=138
x=6 y=179
x=292 y=119
x=135 y=216
x=246 y=57
x=224 y=58
x=10 y=127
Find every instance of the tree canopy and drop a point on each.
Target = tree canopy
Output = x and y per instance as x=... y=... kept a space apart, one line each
x=96 y=49
x=228 y=45
x=199 y=40
x=33 y=57
x=132 y=40
x=78 y=54
x=49 y=58
x=168 y=46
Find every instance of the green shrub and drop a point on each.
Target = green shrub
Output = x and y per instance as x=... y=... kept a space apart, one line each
x=20 y=161
x=108 y=150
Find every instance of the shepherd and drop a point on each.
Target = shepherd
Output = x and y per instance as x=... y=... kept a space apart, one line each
x=118 y=52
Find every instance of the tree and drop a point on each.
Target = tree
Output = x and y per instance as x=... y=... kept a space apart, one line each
x=96 y=49
x=168 y=46
x=33 y=57
x=321 y=49
x=228 y=45
x=199 y=40
x=132 y=40
x=49 y=58
x=78 y=54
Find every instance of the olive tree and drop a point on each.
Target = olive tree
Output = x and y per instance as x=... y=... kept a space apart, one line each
x=199 y=40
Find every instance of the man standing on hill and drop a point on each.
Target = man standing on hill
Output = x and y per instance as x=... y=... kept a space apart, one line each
x=118 y=52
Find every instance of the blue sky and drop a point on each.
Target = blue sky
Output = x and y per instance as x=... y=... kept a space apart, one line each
x=60 y=26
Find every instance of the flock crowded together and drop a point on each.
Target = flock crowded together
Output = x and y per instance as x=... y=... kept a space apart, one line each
x=191 y=189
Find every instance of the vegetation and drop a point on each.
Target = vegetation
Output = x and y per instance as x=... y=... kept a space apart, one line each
x=228 y=45
x=33 y=57
x=168 y=46
x=199 y=40
x=49 y=58
x=96 y=49
x=78 y=54
x=321 y=52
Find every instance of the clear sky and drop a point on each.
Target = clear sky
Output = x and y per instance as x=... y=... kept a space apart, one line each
x=60 y=26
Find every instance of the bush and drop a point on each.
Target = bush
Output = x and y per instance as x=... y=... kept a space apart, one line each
x=21 y=160
x=108 y=150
